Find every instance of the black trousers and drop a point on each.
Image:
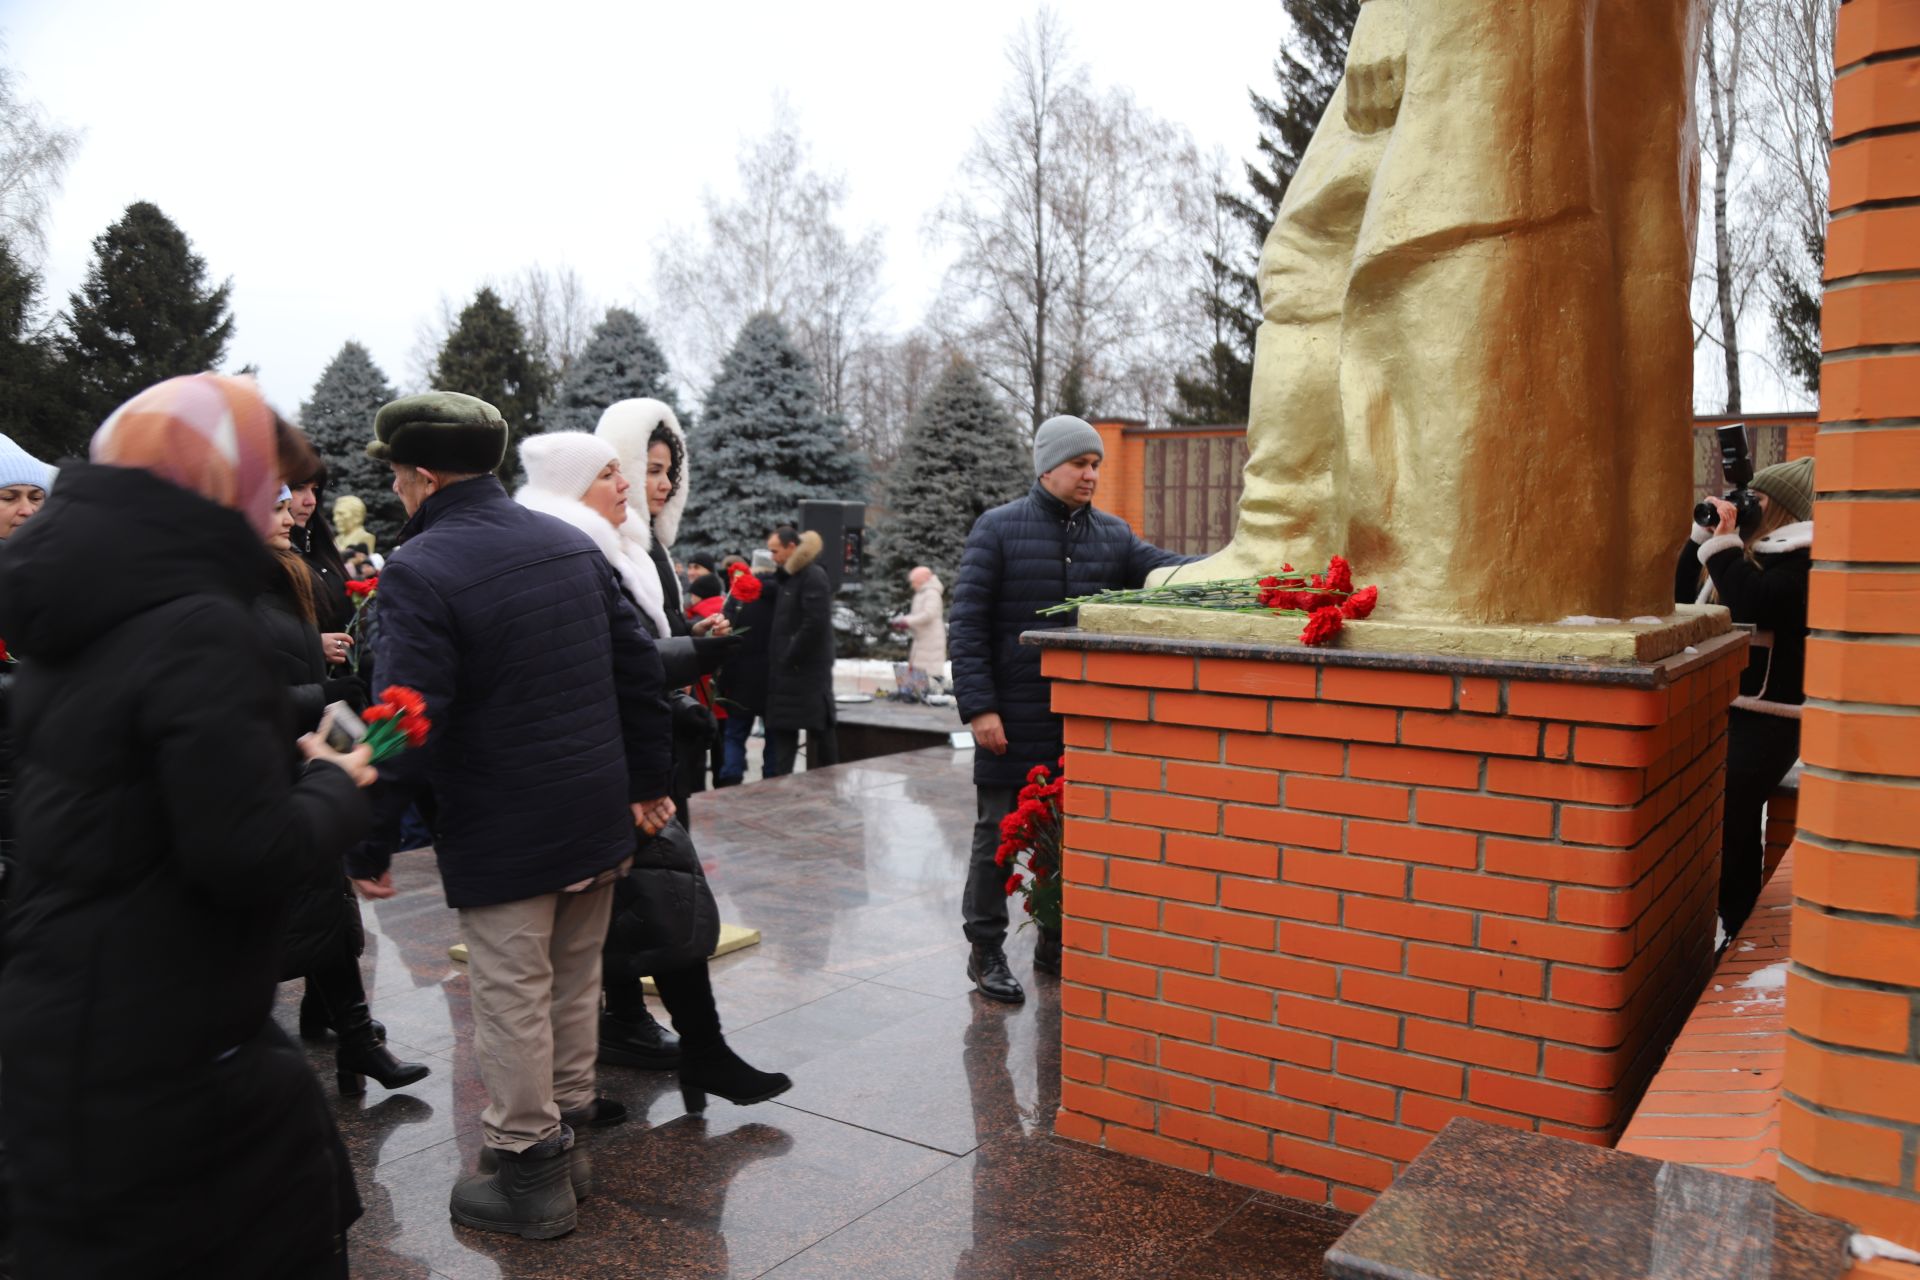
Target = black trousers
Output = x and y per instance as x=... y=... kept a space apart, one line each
x=983 y=905
x=783 y=745
x=1760 y=750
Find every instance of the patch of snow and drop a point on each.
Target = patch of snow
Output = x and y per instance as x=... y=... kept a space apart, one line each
x=1745 y=946
x=1585 y=620
x=1718 y=987
x=1689 y=649
x=1867 y=1248
x=1739 y=1008
x=1719 y=934
x=1771 y=978
x=1644 y=620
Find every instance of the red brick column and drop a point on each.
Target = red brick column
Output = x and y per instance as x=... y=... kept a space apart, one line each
x=1316 y=909
x=1850 y=1119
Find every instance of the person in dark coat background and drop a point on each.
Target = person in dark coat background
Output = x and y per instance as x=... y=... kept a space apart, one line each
x=800 y=656
x=158 y=1121
x=742 y=680
x=1027 y=555
x=551 y=742
x=324 y=939
x=1762 y=577
x=312 y=539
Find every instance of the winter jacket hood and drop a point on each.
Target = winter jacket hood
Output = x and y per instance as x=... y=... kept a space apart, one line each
x=628 y=425
x=81 y=536
x=637 y=574
x=804 y=554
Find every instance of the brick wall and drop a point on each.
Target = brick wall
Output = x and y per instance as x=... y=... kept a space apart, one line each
x=1853 y=1057
x=1316 y=911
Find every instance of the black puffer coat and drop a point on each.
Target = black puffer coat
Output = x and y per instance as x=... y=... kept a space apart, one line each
x=664 y=915
x=164 y=823
x=1768 y=593
x=743 y=680
x=545 y=693
x=1025 y=556
x=800 y=648
x=325 y=924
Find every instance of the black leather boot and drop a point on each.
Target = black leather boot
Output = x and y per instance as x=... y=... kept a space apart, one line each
x=359 y=1054
x=528 y=1194
x=315 y=1024
x=629 y=1037
x=579 y=1166
x=1046 y=953
x=717 y=1069
x=987 y=966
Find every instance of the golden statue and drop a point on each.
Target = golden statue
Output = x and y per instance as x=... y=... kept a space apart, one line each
x=1473 y=374
x=350 y=525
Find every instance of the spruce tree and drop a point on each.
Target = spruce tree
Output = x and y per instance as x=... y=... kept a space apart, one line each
x=338 y=417
x=960 y=455
x=487 y=356
x=763 y=443
x=1796 y=316
x=32 y=410
x=1309 y=69
x=146 y=312
x=620 y=362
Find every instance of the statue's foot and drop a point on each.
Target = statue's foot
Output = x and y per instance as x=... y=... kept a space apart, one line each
x=1235 y=561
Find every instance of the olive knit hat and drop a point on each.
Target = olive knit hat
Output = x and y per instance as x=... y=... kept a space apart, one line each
x=1790 y=484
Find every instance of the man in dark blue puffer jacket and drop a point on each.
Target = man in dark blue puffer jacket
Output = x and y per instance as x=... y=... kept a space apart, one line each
x=551 y=742
x=1025 y=556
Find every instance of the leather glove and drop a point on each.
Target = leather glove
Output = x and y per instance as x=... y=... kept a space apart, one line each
x=692 y=723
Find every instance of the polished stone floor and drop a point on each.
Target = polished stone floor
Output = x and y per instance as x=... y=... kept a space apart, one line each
x=916 y=1141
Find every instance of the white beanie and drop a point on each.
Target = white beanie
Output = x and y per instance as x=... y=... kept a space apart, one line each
x=564 y=463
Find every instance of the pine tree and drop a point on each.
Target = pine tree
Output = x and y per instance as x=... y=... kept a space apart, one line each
x=1309 y=69
x=620 y=362
x=487 y=356
x=338 y=417
x=32 y=410
x=960 y=455
x=763 y=444
x=1796 y=317
x=146 y=312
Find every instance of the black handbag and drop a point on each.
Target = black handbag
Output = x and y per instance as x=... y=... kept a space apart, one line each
x=664 y=915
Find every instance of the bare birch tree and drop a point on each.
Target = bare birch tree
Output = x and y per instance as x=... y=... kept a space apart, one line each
x=34 y=155
x=555 y=310
x=1725 y=36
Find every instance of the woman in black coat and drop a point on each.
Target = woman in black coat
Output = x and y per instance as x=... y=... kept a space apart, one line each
x=800 y=657
x=1762 y=578
x=324 y=939
x=158 y=1122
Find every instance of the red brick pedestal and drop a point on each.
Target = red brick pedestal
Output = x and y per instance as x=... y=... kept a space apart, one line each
x=1320 y=903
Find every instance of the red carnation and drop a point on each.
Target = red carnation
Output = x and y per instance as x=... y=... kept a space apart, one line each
x=416 y=728
x=1013 y=884
x=363 y=586
x=1361 y=602
x=746 y=588
x=377 y=712
x=1339 y=575
x=1323 y=626
x=1037 y=774
x=404 y=699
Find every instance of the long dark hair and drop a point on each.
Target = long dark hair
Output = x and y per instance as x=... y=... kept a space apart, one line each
x=676 y=455
x=299 y=585
x=318 y=540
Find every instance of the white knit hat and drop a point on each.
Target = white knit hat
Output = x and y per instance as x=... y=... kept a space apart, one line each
x=564 y=463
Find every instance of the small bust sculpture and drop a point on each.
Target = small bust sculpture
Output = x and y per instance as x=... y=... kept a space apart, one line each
x=350 y=524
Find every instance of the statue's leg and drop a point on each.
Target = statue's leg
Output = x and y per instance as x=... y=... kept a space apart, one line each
x=1292 y=507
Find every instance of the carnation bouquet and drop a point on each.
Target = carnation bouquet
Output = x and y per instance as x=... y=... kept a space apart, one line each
x=1030 y=847
x=1325 y=600
x=396 y=722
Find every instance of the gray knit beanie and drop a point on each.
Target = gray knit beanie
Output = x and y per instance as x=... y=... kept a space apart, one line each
x=1061 y=438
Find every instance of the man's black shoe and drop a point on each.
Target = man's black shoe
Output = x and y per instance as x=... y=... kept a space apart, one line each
x=987 y=966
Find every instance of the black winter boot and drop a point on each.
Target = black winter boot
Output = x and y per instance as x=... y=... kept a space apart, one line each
x=718 y=1070
x=528 y=1194
x=579 y=1167
x=629 y=1036
x=359 y=1054
x=987 y=966
x=314 y=1023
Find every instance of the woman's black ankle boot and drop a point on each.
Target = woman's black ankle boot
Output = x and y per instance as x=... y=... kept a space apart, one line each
x=716 y=1069
x=360 y=1053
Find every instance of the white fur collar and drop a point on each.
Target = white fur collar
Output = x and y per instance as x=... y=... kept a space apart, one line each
x=637 y=572
x=1788 y=537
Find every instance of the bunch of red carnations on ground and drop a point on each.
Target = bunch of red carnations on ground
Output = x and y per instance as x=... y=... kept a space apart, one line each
x=396 y=722
x=1030 y=846
x=1326 y=600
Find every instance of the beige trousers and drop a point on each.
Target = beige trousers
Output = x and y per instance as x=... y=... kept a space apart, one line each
x=534 y=971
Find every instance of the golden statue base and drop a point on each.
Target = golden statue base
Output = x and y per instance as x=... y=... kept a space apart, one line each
x=1600 y=641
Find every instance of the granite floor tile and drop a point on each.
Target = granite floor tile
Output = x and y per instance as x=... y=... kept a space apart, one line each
x=1024 y=1206
x=906 y=1080
x=730 y=1194
x=827 y=1025
x=1263 y=1242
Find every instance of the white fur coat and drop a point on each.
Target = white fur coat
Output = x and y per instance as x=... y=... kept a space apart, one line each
x=634 y=567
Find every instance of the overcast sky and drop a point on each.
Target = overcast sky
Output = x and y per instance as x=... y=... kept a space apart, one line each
x=348 y=163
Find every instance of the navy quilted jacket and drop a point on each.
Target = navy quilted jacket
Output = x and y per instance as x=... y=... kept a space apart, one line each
x=546 y=695
x=1022 y=557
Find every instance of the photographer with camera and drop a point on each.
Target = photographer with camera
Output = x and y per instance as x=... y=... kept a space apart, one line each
x=1755 y=546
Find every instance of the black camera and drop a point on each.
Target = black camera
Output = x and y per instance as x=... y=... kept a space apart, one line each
x=1736 y=463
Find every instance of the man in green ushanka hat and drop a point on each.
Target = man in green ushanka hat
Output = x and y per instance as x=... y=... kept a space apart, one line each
x=551 y=743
